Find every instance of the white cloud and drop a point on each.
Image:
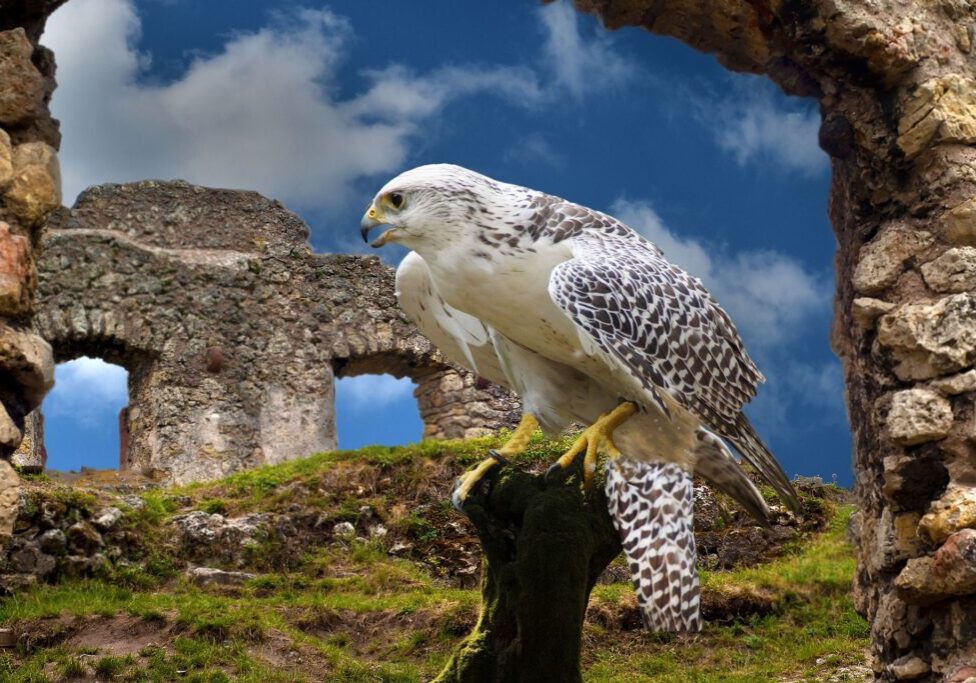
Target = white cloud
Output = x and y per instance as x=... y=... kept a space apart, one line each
x=374 y=391
x=262 y=112
x=755 y=124
x=579 y=64
x=768 y=294
x=87 y=391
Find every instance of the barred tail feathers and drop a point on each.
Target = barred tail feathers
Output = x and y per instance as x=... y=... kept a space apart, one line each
x=752 y=448
x=652 y=507
x=714 y=462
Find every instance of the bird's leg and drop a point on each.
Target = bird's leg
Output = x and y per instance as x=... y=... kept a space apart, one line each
x=594 y=439
x=517 y=443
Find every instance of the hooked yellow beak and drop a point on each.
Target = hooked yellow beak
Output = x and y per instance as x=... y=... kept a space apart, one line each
x=370 y=220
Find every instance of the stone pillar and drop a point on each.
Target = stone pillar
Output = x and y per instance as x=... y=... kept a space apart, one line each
x=457 y=405
x=31 y=455
x=30 y=188
x=125 y=461
x=896 y=84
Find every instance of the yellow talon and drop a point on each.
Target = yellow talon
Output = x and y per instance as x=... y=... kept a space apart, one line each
x=518 y=442
x=595 y=439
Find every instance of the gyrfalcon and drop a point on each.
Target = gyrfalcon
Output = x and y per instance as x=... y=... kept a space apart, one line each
x=589 y=323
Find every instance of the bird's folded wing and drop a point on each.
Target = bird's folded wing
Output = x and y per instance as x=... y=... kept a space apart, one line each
x=656 y=322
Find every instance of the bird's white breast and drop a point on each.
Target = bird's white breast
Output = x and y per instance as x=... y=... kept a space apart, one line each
x=511 y=293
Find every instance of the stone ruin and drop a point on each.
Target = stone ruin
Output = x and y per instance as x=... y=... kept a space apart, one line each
x=30 y=188
x=232 y=330
x=896 y=85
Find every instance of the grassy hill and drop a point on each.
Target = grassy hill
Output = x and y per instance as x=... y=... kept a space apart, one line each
x=352 y=566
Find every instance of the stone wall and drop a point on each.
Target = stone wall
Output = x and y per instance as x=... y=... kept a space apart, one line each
x=30 y=187
x=896 y=84
x=232 y=330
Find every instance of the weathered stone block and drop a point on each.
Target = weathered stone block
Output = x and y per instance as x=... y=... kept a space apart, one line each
x=9 y=499
x=22 y=86
x=959 y=223
x=955 y=510
x=941 y=109
x=866 y=311
x=928 y=340
x=953 y=271
x=962 y=383
x=31 y=455
x=10 y=434
x=883 y=259
x=918 y=415
x=28 y=360
x=6 y=160
x=908 y=668
x=17 y=278
x=951 y=571
x=35 y=190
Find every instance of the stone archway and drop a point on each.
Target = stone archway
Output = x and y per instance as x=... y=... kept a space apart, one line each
x=232 y=330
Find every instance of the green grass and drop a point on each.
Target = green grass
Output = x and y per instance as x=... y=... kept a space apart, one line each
x=352 y=612
x=813 y=620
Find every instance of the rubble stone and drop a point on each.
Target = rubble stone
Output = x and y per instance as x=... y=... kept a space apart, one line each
x=951 y=571
x=909 y=668
x=942 y=109
x=83 y=539
x=954 y=511
x=10 y=434
x=9 y=499
x=22 y=87
x=28 y=359
x=962 y=383
x=959 y=223
x=918 y=415
x=53 y=542
x=17 y=276
x=6 y=160
x=953 y=271
x=866 y=311
x=107 y=519
x=35 y=190
x=232 y=331
x=883 y=259
x=31 y=560
x=927 y=339
x=209 y=576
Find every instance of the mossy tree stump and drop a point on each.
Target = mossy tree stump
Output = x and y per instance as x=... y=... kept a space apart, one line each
x=545 y=545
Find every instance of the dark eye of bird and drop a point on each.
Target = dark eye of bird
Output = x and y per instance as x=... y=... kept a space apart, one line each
x=396 y=199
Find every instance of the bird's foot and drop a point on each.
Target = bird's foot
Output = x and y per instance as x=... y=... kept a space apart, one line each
x=595 y=439
x=516 y=444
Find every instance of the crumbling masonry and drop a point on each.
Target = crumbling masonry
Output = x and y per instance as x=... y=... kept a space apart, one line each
x=896 y=83
x=232 y=331
x=30 y=188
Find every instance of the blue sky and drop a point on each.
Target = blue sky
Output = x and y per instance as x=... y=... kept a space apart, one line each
x=319 y=104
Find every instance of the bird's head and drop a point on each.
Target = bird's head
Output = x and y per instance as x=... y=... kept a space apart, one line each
x=429 y=207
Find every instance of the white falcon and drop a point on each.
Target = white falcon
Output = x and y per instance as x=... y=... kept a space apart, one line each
x=588 y=322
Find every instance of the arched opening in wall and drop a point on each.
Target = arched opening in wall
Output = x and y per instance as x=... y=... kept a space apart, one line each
x=83 y=415
x=376 y=409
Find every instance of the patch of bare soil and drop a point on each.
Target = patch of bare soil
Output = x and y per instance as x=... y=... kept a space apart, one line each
x=122 y=634
x=125 y=634
x=378 y=635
